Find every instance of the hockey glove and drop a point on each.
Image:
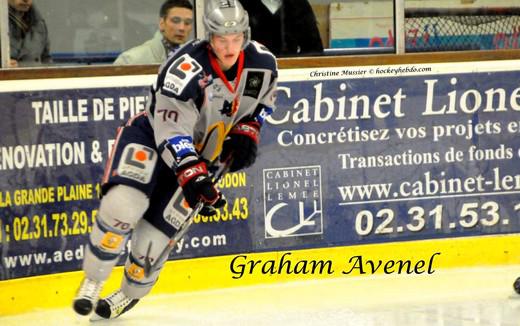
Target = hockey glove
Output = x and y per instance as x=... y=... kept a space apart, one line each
x=197 y=187
x=242 y=145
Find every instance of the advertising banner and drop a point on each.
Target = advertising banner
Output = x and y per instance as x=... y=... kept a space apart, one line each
x=351 y=156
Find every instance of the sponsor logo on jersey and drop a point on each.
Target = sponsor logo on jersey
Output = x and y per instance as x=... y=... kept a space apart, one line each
x=292 y=201
x=180 y=73
x=227 y=108
x=137 y=163
x=254 y=81
x=182 y=146
x=215 y=92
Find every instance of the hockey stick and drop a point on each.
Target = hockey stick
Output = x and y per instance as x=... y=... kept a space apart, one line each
x=150 y=267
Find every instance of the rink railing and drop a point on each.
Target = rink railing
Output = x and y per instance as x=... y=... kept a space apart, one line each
x=442 y=127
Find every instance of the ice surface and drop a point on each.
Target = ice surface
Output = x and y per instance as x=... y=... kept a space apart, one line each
x=473 y=296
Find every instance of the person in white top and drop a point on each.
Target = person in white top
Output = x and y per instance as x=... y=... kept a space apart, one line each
x=175 y=26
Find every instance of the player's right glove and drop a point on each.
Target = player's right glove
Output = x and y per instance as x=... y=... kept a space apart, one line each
x=197 y=187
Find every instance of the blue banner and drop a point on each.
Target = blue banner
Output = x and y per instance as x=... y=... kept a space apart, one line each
x=349 y=157
x=390 y=159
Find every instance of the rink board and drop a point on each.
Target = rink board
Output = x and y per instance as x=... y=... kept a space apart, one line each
x=352 y=157
x=58 y=290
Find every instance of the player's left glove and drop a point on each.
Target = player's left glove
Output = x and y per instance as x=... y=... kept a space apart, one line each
x=197 y=186
x=241 y=145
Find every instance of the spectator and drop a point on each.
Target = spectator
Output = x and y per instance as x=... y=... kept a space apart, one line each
x=286 y=27
x=175 y=25
x=28 y=35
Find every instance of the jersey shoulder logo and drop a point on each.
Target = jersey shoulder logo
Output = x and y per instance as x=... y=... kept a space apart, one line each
x=254 y=82
x=180 y=73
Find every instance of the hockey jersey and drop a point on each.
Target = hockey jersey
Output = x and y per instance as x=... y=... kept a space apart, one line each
x=193 y=104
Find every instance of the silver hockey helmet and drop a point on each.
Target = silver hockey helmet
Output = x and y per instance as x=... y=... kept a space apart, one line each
x=226 y=17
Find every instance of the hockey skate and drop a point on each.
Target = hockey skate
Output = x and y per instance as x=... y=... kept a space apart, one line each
x=113 y=306
x=87 y=296
x=516 y=285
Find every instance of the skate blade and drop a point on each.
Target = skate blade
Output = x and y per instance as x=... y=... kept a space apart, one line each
x=95 y=317
x=514 y=296
x=80 y=316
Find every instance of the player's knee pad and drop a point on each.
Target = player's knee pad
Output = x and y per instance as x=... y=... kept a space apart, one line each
x=122 y=207
x=103 y=250
x=135 y=283
x=106 y=243
x=147 y=243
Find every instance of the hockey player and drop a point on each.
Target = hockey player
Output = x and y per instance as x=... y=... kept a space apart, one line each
x=207 y=105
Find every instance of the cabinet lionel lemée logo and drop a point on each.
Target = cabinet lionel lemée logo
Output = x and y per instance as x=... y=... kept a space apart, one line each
x=292 y=201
